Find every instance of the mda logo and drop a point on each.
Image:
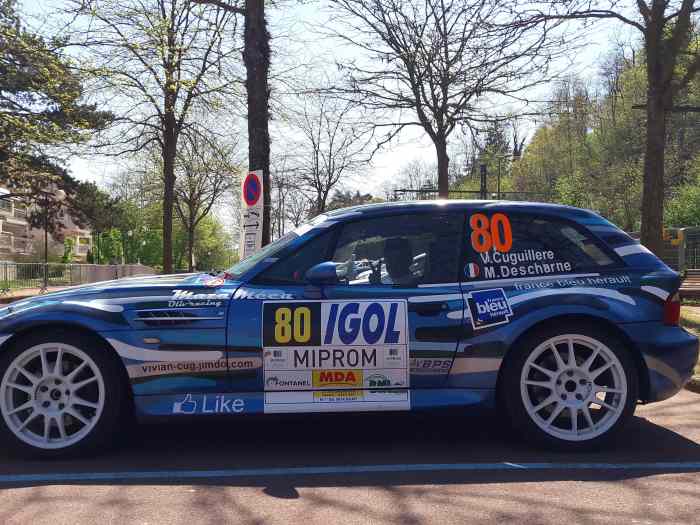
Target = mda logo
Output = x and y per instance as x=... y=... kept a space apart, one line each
x=489 y=308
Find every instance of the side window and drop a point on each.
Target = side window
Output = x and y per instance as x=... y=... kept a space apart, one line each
x=404 y=250
x=292 y=268
x=503 y=246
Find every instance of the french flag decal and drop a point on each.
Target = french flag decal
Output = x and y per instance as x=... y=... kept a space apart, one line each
x=471 y=271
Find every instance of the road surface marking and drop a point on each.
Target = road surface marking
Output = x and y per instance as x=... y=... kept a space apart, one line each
x=339 y=469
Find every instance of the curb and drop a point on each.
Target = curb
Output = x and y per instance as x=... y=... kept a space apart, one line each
x=694 y=384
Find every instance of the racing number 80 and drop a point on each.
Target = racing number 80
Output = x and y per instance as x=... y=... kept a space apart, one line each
x=292 y=324
x=495 y=233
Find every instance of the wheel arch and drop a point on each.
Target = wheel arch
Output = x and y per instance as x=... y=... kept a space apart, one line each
x=73 y=329
x=605 y=325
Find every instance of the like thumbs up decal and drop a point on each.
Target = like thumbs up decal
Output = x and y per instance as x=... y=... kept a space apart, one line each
x=186 y=406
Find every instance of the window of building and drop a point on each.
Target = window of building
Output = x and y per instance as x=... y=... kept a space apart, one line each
x=20 y=210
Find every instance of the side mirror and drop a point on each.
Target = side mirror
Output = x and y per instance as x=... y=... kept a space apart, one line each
x=322 y=273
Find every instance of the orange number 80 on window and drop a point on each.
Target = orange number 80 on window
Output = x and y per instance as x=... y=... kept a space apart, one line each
x=495 y=233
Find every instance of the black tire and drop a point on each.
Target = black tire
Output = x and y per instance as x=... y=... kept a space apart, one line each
x=512 y=399
x=115 y=411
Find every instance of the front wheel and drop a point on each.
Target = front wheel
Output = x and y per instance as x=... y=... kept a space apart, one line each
x=59 y=394
x=570 y=388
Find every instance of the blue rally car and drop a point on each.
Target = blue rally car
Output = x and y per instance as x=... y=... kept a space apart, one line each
x=550 y=313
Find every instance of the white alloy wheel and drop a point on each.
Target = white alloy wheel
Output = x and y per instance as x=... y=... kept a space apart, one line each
x=573 y=387
x=52 y=395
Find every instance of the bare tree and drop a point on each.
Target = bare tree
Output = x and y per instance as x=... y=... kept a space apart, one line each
x=282 y=175
x=204 y=174
x=298 y=208
x=156 y=60
x=667 y=28
x=334 y=145
x=431 y=63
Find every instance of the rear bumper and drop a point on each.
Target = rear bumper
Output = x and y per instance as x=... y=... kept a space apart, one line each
x=670 y=354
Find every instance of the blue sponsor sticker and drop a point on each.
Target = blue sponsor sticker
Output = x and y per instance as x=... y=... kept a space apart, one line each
x=489 y=308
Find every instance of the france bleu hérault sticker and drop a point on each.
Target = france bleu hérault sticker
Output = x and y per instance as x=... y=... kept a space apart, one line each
x=489 y=308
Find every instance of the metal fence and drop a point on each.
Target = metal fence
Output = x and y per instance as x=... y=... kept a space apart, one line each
x=432 y=193
x=14 y=276
x=692 y=257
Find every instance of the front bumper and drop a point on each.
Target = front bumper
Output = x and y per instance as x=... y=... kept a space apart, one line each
x=670 y=354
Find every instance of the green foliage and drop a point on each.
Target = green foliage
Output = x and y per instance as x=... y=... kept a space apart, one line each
x=108 y=247
x=40 y=107
x=344 y=199
x=212 y=246
x=684 y=209
x=589 y=151
x=68 y=247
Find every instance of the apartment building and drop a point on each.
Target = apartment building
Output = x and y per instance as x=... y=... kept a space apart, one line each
x=18 y=241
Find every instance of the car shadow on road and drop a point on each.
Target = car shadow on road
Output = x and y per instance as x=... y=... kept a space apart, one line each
x=399 y=440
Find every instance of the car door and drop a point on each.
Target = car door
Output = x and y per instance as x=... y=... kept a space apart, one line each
x=355 y=345
x=281 y=282
x=413 y=258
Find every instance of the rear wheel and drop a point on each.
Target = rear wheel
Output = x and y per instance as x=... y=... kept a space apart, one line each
x=571 y=387
x=59 y=395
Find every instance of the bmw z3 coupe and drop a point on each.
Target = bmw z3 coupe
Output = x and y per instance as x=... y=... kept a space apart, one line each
x=549 y=314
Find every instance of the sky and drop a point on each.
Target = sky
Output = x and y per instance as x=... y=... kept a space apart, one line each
x=298 y=37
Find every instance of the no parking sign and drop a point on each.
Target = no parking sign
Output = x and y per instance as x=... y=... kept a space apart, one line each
x=252 y=211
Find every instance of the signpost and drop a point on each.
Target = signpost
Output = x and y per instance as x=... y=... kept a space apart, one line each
x=252 y=212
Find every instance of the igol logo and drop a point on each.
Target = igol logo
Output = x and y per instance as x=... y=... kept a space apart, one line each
x=364 y=323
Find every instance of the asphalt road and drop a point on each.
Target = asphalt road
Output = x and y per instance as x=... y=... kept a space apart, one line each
x=400 y=469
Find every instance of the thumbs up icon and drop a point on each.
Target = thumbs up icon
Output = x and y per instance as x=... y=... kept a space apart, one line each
x=186 y=406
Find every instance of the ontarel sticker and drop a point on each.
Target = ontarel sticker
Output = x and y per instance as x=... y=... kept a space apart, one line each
x=335 y=345
x=489 y=308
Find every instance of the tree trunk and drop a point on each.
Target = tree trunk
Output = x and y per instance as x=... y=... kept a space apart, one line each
x=190 y=247
x=169 y=151
x=653 y=188
x=443 y=162
x=256 y=56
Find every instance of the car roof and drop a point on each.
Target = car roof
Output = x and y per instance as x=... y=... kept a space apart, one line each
x=382 y=208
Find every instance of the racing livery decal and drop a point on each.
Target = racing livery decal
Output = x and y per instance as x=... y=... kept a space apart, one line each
x=488 y=308
x=343 y=355
x=209 y=404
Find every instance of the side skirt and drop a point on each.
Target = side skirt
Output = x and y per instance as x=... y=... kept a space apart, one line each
x=240 y=403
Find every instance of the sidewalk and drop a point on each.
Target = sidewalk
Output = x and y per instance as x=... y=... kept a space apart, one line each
x=24 y=293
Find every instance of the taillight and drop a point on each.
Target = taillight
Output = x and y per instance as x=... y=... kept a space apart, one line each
x=672 y=310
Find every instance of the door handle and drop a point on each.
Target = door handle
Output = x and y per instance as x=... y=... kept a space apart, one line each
x=428 y=309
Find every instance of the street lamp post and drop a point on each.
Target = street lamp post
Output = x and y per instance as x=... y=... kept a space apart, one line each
x=59 y=196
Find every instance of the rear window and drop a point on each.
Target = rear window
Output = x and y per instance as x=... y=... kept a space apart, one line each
x=505 y=246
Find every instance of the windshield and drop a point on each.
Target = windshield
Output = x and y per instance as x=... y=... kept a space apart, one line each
x=272 y=249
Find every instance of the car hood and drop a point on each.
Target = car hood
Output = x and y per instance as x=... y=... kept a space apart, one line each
x=125 y=287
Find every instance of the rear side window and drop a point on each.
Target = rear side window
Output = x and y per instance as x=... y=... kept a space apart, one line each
x=504 y=246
